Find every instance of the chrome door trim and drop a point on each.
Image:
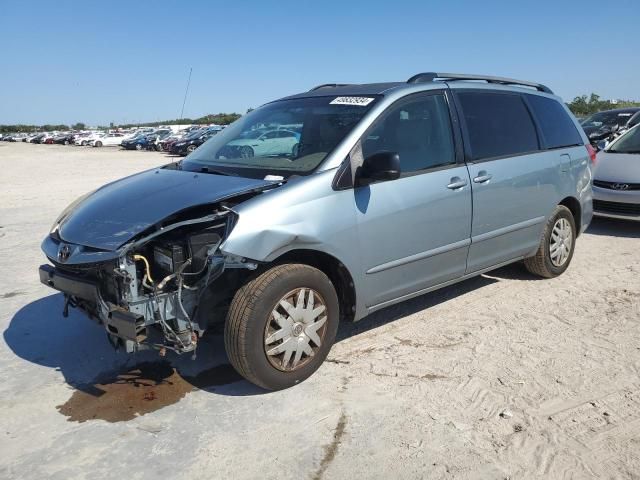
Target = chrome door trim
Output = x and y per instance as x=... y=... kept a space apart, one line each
x=419 y=256
x=508 y=229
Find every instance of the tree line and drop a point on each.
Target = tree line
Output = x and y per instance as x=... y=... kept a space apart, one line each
x=584 y=105
x=217 y=118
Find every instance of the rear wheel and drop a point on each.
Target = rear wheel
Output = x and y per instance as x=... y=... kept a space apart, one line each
x=556 y=245
x=191 y=148
x=98 y=144
x=138 y=146
x=281 y=325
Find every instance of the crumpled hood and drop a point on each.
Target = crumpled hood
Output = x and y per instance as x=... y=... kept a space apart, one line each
x=119 y=211
x=617 y=167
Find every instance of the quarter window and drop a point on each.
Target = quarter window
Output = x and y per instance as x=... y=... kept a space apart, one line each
x=498 y=125
x=557 y=127
x=419 y=130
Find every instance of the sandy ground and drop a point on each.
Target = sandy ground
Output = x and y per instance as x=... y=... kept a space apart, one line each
x=502 y=376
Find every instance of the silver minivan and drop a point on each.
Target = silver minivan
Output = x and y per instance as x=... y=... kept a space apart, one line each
x=323 y=207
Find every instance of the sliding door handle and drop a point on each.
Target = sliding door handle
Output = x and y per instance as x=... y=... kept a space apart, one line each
x=482 y=177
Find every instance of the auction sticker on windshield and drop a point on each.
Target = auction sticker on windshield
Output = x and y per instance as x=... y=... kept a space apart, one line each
x=360 y=101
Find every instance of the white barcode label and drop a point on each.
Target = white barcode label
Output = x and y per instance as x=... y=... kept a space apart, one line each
x=359 y=101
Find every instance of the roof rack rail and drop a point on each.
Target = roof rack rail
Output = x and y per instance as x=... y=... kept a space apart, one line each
x=432 y=76
x=329 y=85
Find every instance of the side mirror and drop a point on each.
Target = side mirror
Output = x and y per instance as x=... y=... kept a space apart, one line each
x=379 y=167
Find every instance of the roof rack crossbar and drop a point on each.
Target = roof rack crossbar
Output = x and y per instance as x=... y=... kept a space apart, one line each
x=329 y=85
x=432 y=76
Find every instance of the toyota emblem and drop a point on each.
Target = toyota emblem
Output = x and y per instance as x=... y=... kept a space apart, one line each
x=64 y=253
x=620 y=186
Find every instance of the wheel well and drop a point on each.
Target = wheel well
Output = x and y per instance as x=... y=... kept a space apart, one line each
x=574 y=205
x=332 y=268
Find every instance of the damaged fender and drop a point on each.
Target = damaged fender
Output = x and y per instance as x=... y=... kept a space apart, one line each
x=321 y=219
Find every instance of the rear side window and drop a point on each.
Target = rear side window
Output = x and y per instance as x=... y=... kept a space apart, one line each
x=556 y=125
x=498 y=124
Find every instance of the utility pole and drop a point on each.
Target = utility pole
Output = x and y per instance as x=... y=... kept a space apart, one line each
x=185 y=93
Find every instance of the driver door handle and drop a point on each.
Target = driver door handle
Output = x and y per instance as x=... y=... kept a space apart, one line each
x=482 y=177
x=456 y=183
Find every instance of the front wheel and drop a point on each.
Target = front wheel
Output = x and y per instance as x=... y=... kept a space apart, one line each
x=138 y=146
x=556 y=245
x=98 y=144
x=191 y=148
x=281 y=325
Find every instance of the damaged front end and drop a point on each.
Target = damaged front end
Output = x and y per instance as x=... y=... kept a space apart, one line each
x=148 y=293
x=139 y=255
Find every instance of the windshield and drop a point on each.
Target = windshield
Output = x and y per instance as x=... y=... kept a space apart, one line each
x=608 y=119
x=627 y=143
x=263 y=141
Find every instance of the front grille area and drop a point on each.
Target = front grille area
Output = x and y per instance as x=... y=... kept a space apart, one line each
x=616 y=207
x=99 y=273
x=616 y=185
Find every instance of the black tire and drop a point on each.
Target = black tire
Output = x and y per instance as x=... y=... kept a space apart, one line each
x=250 y=310
x=98 y=144
x=138 y=147
x=191 y=148
x=541 y=263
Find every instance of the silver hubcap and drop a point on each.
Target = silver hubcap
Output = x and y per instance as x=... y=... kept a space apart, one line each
x=560 y=244
x=295 y=329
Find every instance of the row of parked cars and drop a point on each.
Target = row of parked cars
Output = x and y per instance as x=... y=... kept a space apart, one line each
x=164 y=139
x=603 y=127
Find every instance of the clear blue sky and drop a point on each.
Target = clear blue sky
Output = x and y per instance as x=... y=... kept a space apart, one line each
x=126 y=61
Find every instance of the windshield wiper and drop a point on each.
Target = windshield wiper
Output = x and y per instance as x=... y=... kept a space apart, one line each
x=217 y=172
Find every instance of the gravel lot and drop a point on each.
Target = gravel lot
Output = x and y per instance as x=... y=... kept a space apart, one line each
x=502 y=376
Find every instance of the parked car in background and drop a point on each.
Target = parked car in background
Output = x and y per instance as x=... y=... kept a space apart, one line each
x=63 y=138
x=602 y=125
x=143 y=139
x=191 y=142
x=260 y=143
x=616 y=178
x=48 y=138
x=107 y=140
x=38 y=138
x=395 y=190
x=166 y=143
x=85 y=138
x=154 y=139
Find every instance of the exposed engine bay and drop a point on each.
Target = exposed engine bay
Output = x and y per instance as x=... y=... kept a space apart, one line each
x=149 y=296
